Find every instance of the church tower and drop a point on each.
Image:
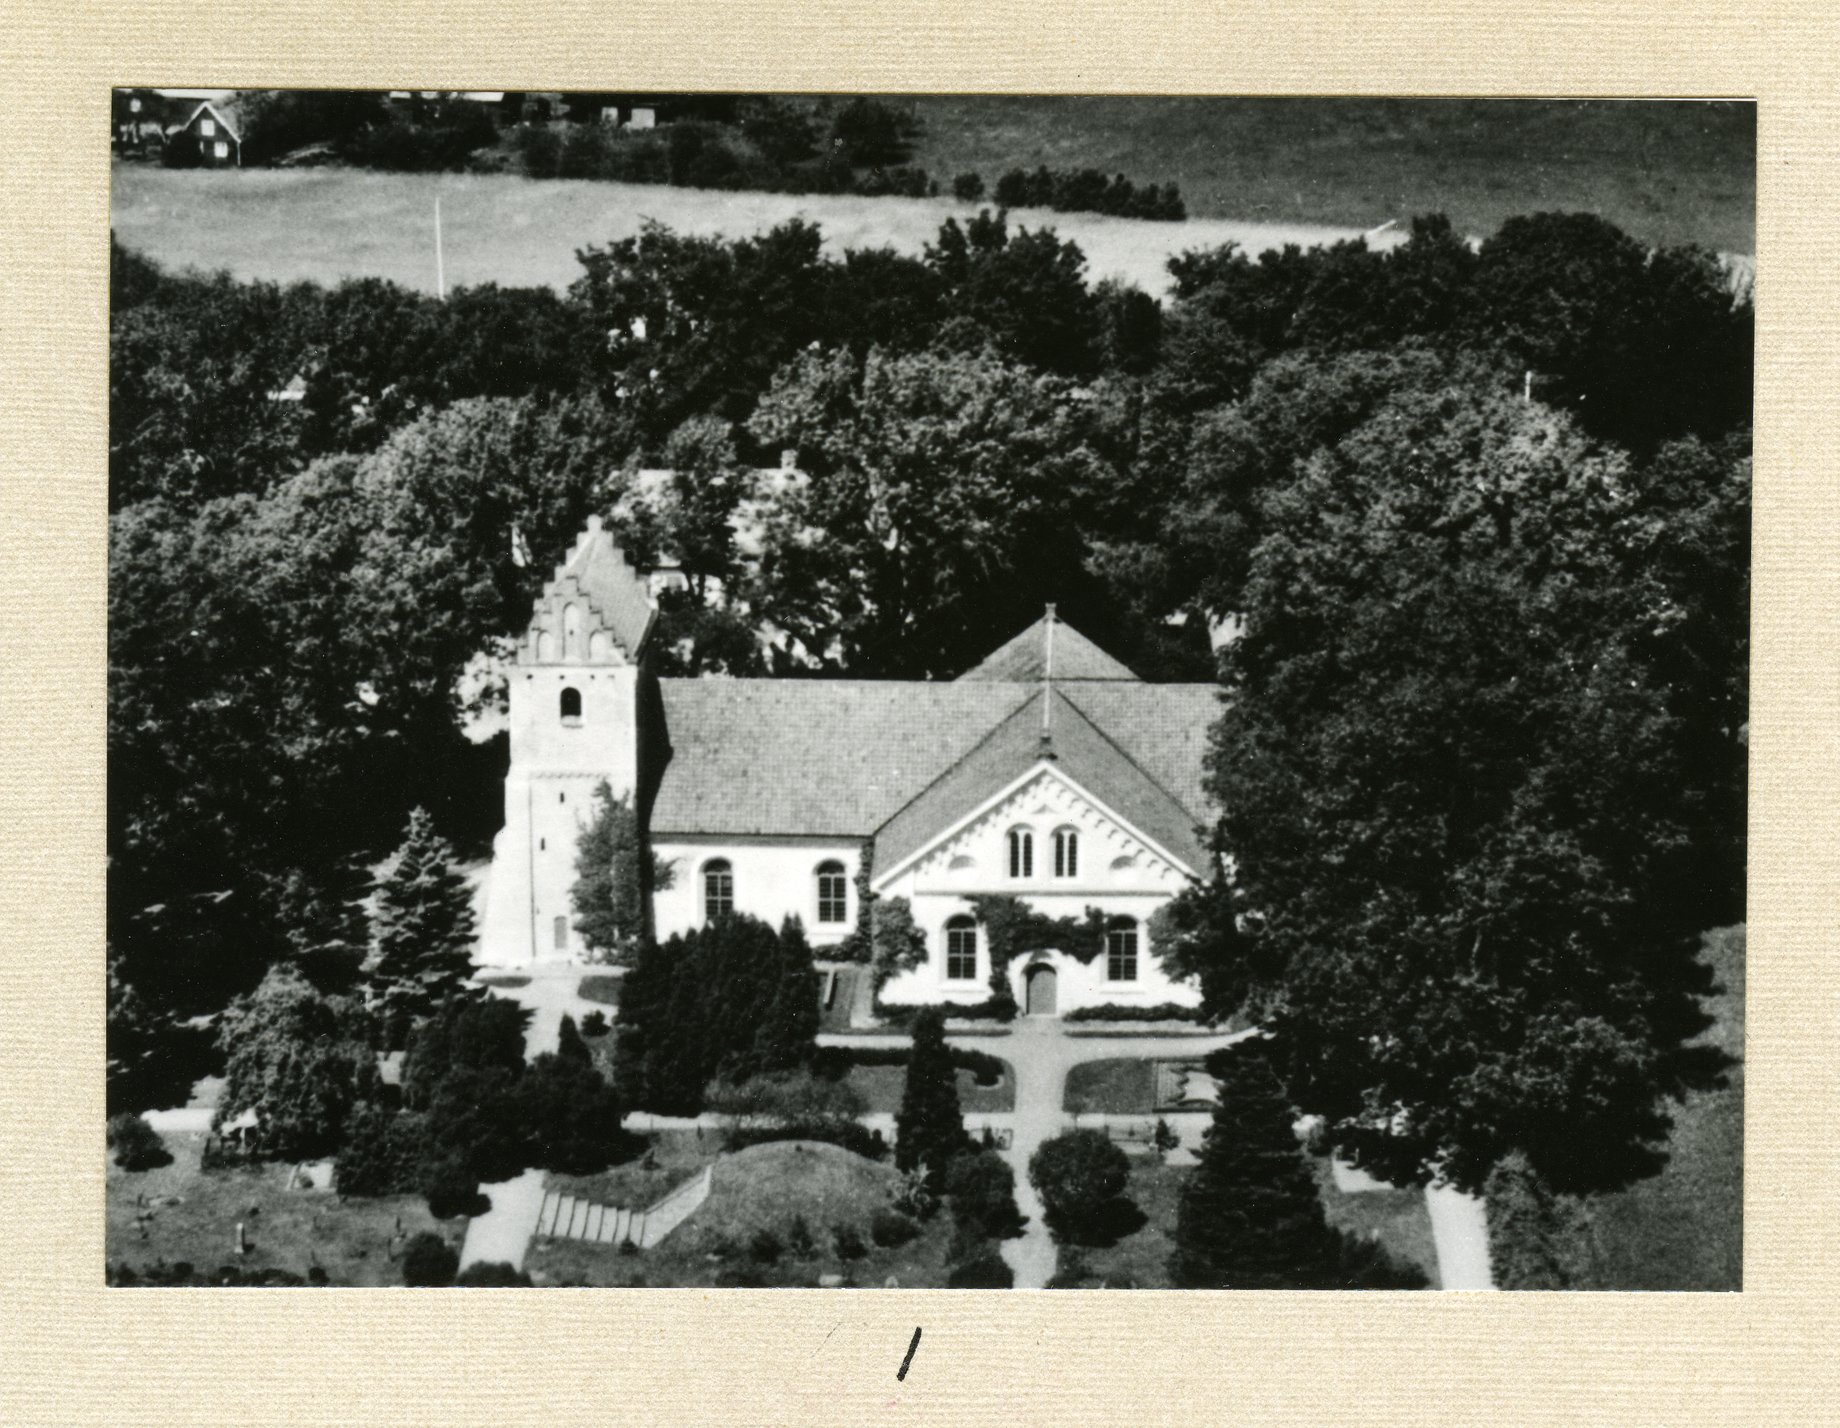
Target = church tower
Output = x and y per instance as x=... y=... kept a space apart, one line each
x=574 y=709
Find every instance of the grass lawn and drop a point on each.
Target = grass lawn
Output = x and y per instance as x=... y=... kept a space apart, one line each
x=1140 y=1260
x=1667 y=173
x=1396 y=1218
x=602 y=987
x=288 y=1229
x=1684 y=1228
x=881 y=1086
x=765 y=1188
x=1120 y=1086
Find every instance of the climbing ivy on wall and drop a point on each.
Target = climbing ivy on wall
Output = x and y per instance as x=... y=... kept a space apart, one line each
x=1014 y=929
x=898 y=945
x=859 y=946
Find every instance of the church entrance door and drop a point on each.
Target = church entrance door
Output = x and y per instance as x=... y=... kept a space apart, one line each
x=1040 y=989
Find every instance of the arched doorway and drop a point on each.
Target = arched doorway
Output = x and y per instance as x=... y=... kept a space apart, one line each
x=1038 y=990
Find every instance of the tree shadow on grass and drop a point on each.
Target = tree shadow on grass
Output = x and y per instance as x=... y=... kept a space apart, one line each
x=1101 y=1228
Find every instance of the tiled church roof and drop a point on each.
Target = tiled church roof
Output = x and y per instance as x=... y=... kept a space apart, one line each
x=1024 y=659
x=1080 y=750
x=812 y=756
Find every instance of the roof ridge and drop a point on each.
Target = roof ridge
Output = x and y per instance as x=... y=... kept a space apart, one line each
x=1155 y=782
x=1021 y=705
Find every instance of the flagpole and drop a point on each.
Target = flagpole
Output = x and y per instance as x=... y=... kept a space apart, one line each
x=440 y=268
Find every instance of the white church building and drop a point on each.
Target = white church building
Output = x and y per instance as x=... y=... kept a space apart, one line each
x=1050 y=772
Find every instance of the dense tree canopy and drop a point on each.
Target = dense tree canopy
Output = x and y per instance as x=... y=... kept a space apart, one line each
x=1482 y=769
x=1480 y=512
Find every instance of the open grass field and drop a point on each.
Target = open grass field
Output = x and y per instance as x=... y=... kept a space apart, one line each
x=1684 y=1228
x=1257 y=172
x=195 y=1213
x=322 y=225
x=1667 y=173
x=768 y=1188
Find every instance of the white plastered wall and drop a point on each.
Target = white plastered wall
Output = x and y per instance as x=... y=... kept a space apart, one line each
x=1119 y=873
x=773 y=878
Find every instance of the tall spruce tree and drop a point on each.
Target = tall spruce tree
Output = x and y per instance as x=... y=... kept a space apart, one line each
x=929 y=1129
x=1249 y=1216
x=424 y=925
x=789 y=1032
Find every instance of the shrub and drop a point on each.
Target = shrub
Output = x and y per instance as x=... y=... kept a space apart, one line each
x=764 y=1247
x=569 y=1114
x=1000 y=1007
x=987 y=1271
x=891 y=1229
x=1078 y=1176
x=495 y=1274
x=136 y=1144
x=786 y=1096
x=799 y=1238
x=929 y=1128
x=1115 y=1011
x=383 y=1152
x=847 y=1240
x=429 y=1262
x=594 y=1023
x=982 y=1189
x=1538 y=1238
x=968 y=187
x=450 y=1186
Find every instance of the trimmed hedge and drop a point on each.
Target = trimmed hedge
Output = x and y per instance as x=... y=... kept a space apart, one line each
x=1001 y=1007
x=1116 y=1011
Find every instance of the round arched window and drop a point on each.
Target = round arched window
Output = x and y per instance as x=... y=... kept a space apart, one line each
x=1021 y=853
x=718 y=889
x=1066 y=853
x=833 y=892
x=571 y=705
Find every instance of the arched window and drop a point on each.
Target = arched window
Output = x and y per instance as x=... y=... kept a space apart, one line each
x=1121 y=950
x=571 y=631
x=718 y=889
x=1066 y=853
x=961 y=949
x=571 y=705
x=833 y=892
x=1021 y=853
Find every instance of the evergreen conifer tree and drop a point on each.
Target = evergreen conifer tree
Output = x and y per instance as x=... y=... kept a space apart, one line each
x=789 y=1032
x=424 y=927
x=1249 y=1216
x=569 y=1045
x=641 y=995
x=929 y=1129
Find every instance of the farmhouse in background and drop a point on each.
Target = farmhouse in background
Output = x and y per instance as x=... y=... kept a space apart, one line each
x=1050 y=772
x=206 y=140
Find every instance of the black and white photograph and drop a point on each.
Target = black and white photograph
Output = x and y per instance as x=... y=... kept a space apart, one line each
x=931 y=691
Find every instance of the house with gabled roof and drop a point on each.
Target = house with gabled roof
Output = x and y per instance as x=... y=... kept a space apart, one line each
x=1050 y=773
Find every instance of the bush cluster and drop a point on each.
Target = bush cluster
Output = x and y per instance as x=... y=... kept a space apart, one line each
x=1088 y=191
x=1000 y=1007
x=136 y=1144
x=1118 y=1011
x=731 y=1000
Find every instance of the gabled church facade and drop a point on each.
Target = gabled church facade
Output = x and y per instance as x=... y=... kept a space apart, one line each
x=1049 y=773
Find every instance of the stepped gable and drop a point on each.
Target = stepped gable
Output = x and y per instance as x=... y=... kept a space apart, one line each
x=1025 y=658
x=594 y=610
x=1079 y=748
